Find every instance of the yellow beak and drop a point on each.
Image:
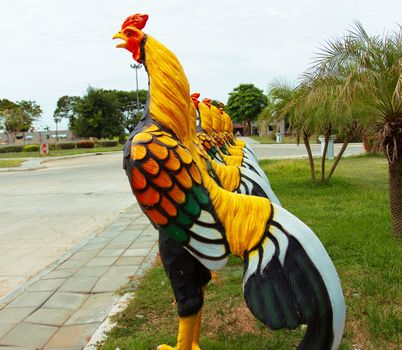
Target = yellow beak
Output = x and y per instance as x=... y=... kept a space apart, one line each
x=121 y=36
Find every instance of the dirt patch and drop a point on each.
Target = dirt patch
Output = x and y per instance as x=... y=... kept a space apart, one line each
x=231 y=321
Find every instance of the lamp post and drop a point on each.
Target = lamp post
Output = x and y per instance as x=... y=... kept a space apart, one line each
x=136 y=67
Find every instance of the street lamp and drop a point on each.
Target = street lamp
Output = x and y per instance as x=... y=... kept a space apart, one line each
x=136 y=67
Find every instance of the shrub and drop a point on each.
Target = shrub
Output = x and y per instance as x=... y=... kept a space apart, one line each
x=65 y=145
x=13 y=148
x=108 y=143
x=31 y=148
x=85 y=144
x=52 y=146
x=122 y=139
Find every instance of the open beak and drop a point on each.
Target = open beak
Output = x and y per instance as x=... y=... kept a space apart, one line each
x=121 y=36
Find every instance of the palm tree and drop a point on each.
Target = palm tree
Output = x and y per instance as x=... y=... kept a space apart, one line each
x=369 y=69
x=288 y=101
x=321 y=102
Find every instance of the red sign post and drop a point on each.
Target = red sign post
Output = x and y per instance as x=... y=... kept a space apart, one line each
x=45 y=149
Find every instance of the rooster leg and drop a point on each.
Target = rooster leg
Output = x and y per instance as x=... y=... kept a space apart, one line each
x=187 y=326
x=197 y=328
x=189 y=279
x=196 y=333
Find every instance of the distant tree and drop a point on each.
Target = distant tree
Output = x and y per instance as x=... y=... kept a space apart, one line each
x=97 y=115
x=127 y=104
x=217 y=104
x=245 y=103
x=65 y=109
x=7 y=108
x=369 y=71
x=18 y=116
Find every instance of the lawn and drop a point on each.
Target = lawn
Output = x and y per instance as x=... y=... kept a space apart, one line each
x=286 y=139
x=10 y=163
x=61 y=152
x=351 y=217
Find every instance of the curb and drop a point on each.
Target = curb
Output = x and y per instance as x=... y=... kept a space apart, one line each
x=40 y=161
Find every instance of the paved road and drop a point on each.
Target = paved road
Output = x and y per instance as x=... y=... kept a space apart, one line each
x=275 y=151
x=45 y=213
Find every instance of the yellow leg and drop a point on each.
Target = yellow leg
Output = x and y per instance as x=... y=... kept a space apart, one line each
x=196 y=334
x=185 y=336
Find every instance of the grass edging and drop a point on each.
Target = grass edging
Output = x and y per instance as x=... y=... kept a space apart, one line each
x=11 y=163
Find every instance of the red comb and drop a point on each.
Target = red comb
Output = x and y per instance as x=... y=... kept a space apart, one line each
x=195 y=95
x=138 y=21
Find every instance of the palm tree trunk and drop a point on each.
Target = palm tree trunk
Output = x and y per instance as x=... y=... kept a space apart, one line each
x=395 y=195
x=324 y=155
x=310 y=155
x=338 y=157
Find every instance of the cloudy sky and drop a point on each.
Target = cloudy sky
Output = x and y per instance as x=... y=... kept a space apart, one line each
x=51 y=48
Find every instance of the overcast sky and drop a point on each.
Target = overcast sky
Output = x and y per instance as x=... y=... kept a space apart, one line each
x=51 y=48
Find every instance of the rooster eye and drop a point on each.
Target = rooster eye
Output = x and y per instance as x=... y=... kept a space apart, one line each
x=128 y=33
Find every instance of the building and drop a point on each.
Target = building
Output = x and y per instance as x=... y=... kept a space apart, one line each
x=36 y=137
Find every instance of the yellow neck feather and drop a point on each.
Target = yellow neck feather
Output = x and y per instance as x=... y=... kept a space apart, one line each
x=206 y=118
x=168 y=88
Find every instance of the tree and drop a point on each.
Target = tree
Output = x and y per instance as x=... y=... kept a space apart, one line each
x=19 y=116
x=127 y=104
x=65 y=109
x=217 y=104
x=289 y=102
x=369 y=68
x=310 y=109
x=245 y=103
x=97 y=115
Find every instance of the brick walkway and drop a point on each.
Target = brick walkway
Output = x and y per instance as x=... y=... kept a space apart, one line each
x=65 y=306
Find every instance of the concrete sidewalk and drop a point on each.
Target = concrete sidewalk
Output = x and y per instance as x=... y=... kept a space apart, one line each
x=29 y=164
x=37 y=163
x=65 y=305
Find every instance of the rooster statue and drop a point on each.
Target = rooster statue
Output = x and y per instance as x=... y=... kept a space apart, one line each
x=233 y=178
x=207 y=131
x=209 y=122
x=218 y=125
x=289 y=278
x=239 y=156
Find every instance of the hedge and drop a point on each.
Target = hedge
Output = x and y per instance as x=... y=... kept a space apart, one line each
x=85 y=144
x=108 y=143
x=31 y=148
x=14 y=148
x=65 y=145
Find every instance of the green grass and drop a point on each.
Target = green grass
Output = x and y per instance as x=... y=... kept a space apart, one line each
x=10 y=163
x=62 y=152
x=285 y=139
x=351 y=217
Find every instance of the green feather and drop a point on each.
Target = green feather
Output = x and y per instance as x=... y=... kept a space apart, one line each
x=183 y=219
x=178 y=234
x=191 y=206
x=200 y=194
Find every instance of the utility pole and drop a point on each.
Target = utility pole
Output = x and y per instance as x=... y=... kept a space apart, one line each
x=136 y=67
x=57 y=121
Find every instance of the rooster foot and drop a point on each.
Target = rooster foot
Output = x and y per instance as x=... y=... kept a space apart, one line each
x=168 y=347
x=165 y=347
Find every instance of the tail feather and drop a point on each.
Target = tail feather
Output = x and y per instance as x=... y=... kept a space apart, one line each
x=298 y=286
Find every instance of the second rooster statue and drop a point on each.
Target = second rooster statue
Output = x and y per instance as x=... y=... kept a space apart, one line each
x=289 y=278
